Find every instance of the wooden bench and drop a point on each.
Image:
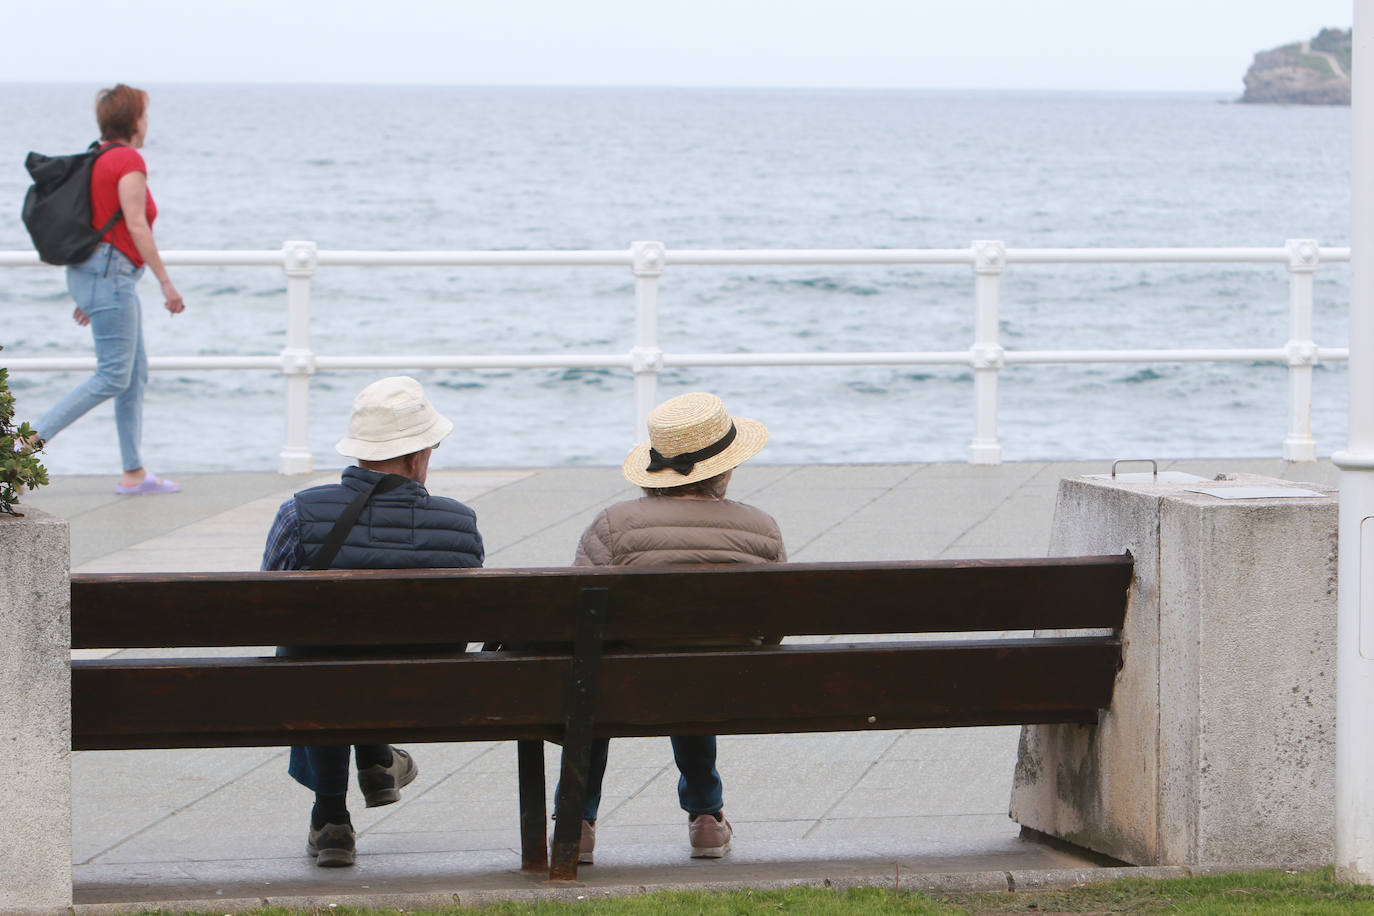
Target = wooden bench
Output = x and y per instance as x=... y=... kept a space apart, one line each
x=570 y=691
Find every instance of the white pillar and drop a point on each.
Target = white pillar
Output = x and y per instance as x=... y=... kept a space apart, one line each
x=1303 y=257
x=649 y=260
x=299 y=260
x=1355 y=628
x=986 y=355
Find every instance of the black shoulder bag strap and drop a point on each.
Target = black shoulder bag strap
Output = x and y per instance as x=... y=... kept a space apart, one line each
x=330 y=549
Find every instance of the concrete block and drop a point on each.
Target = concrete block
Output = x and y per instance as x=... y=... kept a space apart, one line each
x=35 y=714
x=1219 y=747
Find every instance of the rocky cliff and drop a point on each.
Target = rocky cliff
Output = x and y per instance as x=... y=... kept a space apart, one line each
x=1315 y=72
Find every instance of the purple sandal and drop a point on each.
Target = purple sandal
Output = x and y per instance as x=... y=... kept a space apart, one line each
x=149 y=484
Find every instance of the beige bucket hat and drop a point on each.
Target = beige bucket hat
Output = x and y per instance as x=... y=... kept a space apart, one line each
x=390 y=418
x=691 y=438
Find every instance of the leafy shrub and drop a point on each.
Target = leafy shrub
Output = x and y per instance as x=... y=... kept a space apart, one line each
x=19 y=466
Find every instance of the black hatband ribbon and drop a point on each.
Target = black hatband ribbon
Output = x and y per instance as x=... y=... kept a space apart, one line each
x=684 y=463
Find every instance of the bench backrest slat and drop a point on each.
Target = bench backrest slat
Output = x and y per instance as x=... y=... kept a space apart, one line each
x=124 y=703
x=426 y=607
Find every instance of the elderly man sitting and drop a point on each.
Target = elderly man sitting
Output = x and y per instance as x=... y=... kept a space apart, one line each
x=379 y=516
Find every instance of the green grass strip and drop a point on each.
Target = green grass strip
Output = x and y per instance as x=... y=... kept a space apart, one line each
x=1237 y=894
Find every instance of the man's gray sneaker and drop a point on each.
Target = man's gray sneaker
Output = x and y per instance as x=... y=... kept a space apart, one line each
x=382 y=785
x=333 y=845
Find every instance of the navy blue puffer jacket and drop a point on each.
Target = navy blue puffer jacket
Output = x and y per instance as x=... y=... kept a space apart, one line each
x=406 y=528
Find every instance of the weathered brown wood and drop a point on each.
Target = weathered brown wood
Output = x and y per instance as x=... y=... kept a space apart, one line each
x=396 y=631
x=449 y=606
x=128 y=703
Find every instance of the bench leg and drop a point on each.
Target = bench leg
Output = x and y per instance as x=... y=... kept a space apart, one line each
x=534 y=849
x=583 y=697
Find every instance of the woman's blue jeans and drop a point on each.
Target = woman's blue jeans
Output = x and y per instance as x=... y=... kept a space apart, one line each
x=104 y=287
x=699 y=789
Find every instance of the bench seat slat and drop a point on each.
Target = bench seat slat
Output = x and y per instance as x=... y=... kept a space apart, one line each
x=126 y=703
x=425 y=607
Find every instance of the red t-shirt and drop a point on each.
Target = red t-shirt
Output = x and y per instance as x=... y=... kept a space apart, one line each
x=109 y=168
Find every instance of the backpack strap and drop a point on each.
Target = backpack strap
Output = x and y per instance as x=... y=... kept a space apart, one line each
x=330 y=549
x=119 y=211
x=109 y=224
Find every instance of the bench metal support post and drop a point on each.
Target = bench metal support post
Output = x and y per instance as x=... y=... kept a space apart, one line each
x=534 y=849
x=584 y=693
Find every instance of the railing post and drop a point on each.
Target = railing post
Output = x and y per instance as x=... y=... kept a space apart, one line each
x=649 y=260
x=986 y=356
x=1303 y=257
x=299 y=260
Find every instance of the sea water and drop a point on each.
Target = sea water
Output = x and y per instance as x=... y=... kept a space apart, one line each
x=367 y=167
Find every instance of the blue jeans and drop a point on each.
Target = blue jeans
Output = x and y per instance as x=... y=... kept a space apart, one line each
x=699 y=789
x=104 y=287
x=324 y=768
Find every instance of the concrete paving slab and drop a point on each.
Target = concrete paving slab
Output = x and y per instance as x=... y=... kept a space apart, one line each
x=1006 y=476
x=1008 y=527
x=843 y=476
x=828 y=746
x=826 y=508
x=555 y=545
x=756 y=477
x=880 y=540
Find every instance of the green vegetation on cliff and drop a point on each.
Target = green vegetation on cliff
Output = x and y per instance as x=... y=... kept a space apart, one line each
x=1315 y=72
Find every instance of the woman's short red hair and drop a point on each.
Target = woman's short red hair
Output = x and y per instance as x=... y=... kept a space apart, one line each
x=117 y=111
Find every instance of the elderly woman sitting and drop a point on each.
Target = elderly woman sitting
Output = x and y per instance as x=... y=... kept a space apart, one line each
x=682 y=519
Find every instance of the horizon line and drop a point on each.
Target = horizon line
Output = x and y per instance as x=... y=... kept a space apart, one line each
x=22 y=81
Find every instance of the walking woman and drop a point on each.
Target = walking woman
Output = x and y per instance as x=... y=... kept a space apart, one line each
x=104 y=287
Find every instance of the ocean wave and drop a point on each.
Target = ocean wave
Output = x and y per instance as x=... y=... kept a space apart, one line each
x=828 y=285
x=867 y=388
x=1147 y=374
x=454 y=384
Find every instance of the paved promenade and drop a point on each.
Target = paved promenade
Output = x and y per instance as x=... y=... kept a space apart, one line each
x=928 y=806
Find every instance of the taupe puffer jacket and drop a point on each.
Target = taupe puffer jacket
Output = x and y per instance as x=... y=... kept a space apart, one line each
x=680 y=530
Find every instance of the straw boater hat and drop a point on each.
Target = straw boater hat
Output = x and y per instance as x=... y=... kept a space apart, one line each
x=392 y=418
x=692 y=438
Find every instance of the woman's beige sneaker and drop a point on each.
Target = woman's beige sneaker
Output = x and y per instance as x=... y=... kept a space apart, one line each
x=709 y=835
x=586 y=847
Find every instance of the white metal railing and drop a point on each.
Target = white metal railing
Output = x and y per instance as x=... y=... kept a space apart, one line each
x=648 y=260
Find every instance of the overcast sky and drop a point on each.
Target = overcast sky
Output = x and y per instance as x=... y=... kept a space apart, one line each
x=1000 y=44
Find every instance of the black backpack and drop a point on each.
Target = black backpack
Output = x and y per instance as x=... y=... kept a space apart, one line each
x=57 y=209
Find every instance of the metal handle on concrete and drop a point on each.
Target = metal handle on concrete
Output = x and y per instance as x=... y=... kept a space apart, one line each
x=1153 y=466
